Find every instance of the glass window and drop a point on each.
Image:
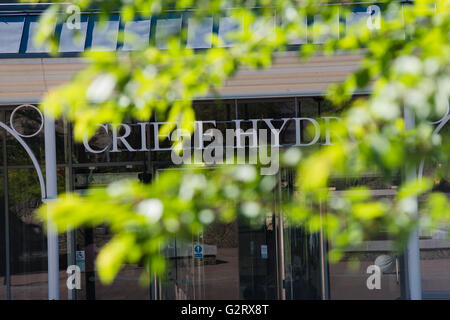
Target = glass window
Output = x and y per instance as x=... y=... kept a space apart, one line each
x=237 y=260
x=31 y=29
x=435 y=243
x=199 y=33
x=28 y=241
x=227 y=26
x=27 y=237
x=3 y=233
x=2 y=135
x=73 y=40
x=435 y=263
x=303 y=38
x=354 y=276
x=89 y=241
x=356 y=19
x=257 y=262
x=62 y=137
x=11 y=28
x=327 y=31
x=27 y=122
x=105 y=33
x=166 y=28
x=217 y=110
x=270 y=109
x=263 y=26
x=303 y=269
x=209 y=275
x=64 y=241
x=266 y=109
x=309 y=108
x=349 y=276
x=303 y=253
x=137 y=34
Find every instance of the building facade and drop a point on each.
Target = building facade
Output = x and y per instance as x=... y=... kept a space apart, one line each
x=232 y=261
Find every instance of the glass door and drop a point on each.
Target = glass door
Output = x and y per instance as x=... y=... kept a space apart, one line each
x=229 y=261
x=372 y=270
x=303 y=264
x=205 y=267
x=258 y=261
x=89 y=241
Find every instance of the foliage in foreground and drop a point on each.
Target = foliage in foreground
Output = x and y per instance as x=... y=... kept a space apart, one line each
x=406 y=62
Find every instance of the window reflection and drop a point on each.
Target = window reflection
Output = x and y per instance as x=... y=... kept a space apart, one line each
x=166 y=28
x=257 y=262
x=348 y=278
x=90 y=240
x=304 y=258
x=3 y=233
x=27 y=122
x=240 y=261
x=28 y=242
x=212 y=276
x=435 y=243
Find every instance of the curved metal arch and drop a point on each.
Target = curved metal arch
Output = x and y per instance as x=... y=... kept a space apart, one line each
x=31 y=154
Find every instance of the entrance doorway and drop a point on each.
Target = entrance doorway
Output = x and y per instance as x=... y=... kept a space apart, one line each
x=87 y=242
x=226 y=262
x=271 y=260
